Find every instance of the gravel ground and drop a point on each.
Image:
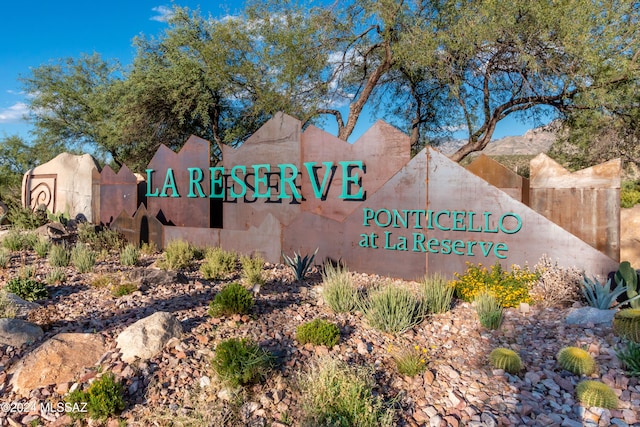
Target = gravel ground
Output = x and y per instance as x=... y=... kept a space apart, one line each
x=459 y=387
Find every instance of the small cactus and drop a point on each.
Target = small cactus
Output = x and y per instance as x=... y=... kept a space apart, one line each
x=594 y=393
x=576 y=360
x=626 y=324
x=509 y=360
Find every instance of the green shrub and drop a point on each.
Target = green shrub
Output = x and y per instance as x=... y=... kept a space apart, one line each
x=391 y=308
x=59 y=255
x=437 y=293
x=148 y=248
x=506 y=359
x=42 y=246
x=318 y=332
x=104 y=398
x=298 y=264
x=83 y=258
x=338 y=289
x=8 y=309
x=511 y=288
x=489 y=310
x=410 y=361
x=129 y=255
x=576 y=360
x=5 y=257
x=629 y=355
x=26 y=219
x=178 y=255
x=336 y=394
x=594 y=393
x=240 y=362
x=122 y=289
x=13 y=240
x=27 y=288
x=629 y=194
x=232 y=299
x=56 y=275
x=252 y=269
x=100 y=238
x=218 y=263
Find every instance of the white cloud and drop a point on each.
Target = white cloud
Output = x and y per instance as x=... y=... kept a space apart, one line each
x=164 y=13
x=14 y=114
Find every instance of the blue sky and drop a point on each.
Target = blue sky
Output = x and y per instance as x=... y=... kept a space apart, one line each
x=38 y=32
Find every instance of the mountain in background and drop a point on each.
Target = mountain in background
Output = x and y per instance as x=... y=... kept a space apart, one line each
x=533 y=142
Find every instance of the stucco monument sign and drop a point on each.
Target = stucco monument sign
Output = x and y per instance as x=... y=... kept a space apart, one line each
x=368 y=204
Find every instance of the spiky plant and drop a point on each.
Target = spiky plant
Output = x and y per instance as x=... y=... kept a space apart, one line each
x=576 y=360
x=594 y=393
x=626 y=324
x=504 y=358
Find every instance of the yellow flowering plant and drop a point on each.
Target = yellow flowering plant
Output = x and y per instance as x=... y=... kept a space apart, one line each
x=510 y=288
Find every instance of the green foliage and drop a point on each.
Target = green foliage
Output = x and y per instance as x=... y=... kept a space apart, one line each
x=14 y=240
x=338 y=289
x=27 y=288
x=437 y=292
x=5 y=257
x=298 y=264
x=83 y=258
x=336 y=394
x=100 y=238
x=59 y=255
x=626 y=324
x=594 y=393
x=122 y=289
x=232 y=299
x=576 y=360
x=42 y=246
x=56 y=275
x=628 y=277
x=510 y=288
x=8 y=309
x=240 y=362
x=629 y=194
x=489 y=310
x=148 y=248
x=629 y=355
x=410 y=361
x=104 y=398
x=218 y=263
x=252 y=269
x=178 y=255
x=318 y=332
x=391 y=308
x=601 y=296
x=506 y=359
x=26 y=219
x=129 y=255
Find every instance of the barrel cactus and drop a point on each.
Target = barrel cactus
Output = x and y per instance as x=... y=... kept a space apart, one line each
x=509 y=360
x=594 y=393
x=576 y=360
x=626 y=324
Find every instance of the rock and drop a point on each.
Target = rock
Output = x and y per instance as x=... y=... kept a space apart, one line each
x=17 y=332
x=586 y=315
x=156 y=277
x=23 y=307
x=146 y=338
x=58 y=360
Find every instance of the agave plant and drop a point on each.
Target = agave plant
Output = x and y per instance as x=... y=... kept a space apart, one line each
x=601 y=296
x=298 y=264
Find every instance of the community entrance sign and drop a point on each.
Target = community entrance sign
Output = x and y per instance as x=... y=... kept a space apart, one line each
x=368 y=204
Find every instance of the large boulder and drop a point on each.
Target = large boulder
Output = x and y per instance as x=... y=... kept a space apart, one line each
x=146 y=338
x=58 y=360
x=67 y=184
x=586 y=315
x=17 y=332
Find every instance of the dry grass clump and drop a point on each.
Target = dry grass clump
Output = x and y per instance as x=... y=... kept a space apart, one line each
x=557 y=286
